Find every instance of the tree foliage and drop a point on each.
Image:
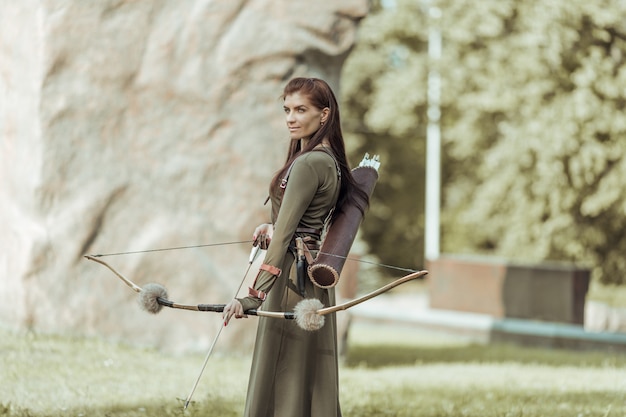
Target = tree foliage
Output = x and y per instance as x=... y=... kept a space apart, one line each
x=533 y=128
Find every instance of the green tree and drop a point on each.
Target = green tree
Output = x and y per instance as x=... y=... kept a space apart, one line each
x=533 y=125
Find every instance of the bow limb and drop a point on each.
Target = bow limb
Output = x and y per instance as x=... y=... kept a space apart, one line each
x=128 y=282
x=373 y=294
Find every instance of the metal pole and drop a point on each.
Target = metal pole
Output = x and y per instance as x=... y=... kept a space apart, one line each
x=433 y=138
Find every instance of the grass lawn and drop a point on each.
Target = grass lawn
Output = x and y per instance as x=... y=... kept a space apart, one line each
x=388 y=371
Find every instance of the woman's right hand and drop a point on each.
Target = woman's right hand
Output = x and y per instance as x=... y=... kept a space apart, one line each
x=234 y=308
x=262 y=235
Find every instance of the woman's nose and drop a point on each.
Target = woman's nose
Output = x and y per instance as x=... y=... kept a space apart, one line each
x=289 y=117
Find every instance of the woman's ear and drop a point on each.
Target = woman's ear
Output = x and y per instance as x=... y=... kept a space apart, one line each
x=325 y=113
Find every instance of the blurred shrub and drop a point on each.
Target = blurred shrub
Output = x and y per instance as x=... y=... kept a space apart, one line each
x=533 y=125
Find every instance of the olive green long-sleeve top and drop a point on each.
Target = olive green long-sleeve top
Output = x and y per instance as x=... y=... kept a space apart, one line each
x=311 y=193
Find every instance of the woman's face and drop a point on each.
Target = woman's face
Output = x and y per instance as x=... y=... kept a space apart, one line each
x=303 y=118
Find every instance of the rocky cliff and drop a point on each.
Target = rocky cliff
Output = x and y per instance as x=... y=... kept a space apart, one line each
x=133 y=125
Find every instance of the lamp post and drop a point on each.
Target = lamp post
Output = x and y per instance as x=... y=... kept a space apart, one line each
x=433 y=137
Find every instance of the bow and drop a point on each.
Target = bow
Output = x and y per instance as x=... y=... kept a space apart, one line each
x=308 y=313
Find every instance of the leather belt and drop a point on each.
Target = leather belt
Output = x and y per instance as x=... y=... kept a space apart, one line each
x=309 y=230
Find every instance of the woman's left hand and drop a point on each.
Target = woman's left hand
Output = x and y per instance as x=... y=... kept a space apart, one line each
x=234 y=308
x=262 y=235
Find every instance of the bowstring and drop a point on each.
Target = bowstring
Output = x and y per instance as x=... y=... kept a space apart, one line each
x=348 y=258
x=172 y=248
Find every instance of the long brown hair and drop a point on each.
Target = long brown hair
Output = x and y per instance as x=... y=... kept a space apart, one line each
x=321 y=95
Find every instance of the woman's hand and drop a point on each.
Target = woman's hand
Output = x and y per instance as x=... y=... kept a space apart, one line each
x=234 y=308
x=263 y=235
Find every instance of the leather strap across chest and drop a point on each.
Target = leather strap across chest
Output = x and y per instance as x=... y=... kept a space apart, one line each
x=283 y=181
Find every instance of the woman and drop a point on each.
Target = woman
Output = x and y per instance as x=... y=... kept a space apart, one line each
x=294 y=372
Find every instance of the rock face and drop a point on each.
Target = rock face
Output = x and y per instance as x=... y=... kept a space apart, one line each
x=133 y=125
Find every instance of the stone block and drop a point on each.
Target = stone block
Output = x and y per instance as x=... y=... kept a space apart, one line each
x=545 y=291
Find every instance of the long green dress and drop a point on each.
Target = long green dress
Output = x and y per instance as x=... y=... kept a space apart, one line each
x=295 y=372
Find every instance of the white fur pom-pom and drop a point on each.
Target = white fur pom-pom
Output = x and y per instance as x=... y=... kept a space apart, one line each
x=306 y=314
x=148 y=297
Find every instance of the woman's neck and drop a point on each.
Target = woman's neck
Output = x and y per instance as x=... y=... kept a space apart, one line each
x=305 y=141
